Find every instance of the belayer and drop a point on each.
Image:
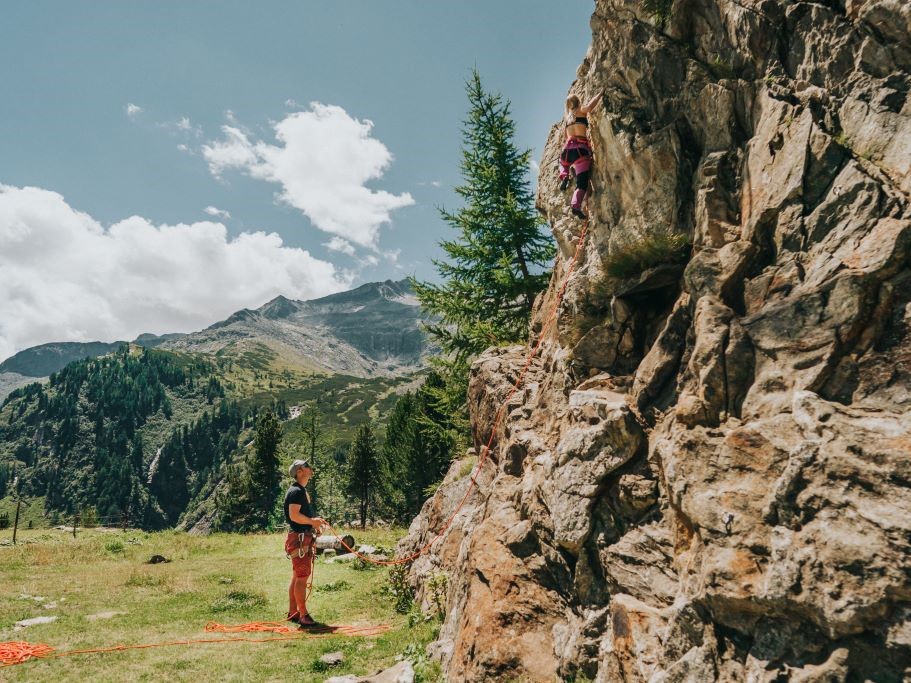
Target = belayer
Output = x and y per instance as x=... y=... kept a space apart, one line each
x=576 y=157
x=300 y=544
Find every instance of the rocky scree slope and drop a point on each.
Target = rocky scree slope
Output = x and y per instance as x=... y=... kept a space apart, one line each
x=707 y=473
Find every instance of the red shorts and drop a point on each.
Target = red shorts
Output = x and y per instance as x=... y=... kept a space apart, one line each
x=300 y=548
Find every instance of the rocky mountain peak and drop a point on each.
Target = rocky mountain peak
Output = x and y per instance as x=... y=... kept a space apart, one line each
x=706 y=475
x=279 y=307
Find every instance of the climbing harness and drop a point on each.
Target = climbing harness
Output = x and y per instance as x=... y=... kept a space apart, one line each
x=485 y=451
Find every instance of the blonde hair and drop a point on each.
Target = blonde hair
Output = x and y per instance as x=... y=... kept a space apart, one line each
x=572 y=102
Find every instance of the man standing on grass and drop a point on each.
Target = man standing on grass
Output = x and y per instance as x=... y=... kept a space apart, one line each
x=299 y=544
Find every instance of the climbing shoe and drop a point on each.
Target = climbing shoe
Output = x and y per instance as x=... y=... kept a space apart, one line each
x=578 y=213
x=564 y=183
x=307 y=621
x=294 y=617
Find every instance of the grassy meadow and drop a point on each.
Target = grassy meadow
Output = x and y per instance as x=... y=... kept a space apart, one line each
x=103 y=593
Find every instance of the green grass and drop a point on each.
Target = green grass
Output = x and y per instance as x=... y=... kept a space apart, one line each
x=467 y=465
x=636 y=255
x=31 y=511
x=228 y=578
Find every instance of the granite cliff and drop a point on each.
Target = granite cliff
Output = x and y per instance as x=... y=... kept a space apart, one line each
x=706 y=474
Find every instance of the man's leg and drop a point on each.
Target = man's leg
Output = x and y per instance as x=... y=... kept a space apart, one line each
x=299 y=586
x=292 y=601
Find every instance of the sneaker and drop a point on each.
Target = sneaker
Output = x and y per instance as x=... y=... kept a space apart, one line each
x=579 y=214
x=294 y=617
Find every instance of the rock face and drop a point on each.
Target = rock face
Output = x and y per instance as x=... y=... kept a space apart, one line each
x=706 y=474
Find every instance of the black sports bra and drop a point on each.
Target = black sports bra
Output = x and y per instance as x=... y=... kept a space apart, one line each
x=579 y=119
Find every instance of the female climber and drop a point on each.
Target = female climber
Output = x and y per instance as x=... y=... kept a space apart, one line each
x=576 y=157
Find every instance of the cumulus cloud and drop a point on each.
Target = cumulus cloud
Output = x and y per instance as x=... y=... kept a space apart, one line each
x=66 y=277
x=214 y=211
x=340 y=245
x=322 y=163
x=133 y=110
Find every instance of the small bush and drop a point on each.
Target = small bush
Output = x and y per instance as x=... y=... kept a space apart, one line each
x=334 y=587
x=361 y=565
x=425 y=670
x=639 y=254
x=114 y=545
x=467 y=466
x=416 y=616
x=239 y=600
x=399 y=589
x=437 y=586
x=659 y=10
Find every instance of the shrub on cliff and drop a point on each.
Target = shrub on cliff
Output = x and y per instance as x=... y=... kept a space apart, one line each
x=641 y=253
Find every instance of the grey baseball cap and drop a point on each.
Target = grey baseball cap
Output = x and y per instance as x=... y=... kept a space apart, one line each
x=296 y=465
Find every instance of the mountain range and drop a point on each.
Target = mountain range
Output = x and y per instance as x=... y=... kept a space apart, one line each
x=372 y=330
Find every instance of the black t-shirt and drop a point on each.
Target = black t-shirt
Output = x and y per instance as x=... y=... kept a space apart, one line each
x=297 y=495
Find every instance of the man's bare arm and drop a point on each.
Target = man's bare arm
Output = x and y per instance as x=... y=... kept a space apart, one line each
x=294 y=512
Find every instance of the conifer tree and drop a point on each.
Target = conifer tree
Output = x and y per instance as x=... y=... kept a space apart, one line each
x=498 y=261
x=363 y=470
x=414 y=455
x=262 y=468
x=316 y=444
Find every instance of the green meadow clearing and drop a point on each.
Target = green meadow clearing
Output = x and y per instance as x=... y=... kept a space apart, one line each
x=103 y=593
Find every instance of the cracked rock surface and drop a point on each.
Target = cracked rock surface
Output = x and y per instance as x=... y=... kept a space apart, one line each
x=706 y=474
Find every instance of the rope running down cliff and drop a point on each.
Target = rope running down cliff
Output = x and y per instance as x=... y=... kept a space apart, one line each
x=496 y=423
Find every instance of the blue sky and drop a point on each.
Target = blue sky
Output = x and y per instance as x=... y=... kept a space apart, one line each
x=194 y=70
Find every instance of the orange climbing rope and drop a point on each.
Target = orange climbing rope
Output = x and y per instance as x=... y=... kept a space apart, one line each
x=496 y=423
x=17 y=652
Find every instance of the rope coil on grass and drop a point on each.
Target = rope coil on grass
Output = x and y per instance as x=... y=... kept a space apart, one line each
x=20 y=651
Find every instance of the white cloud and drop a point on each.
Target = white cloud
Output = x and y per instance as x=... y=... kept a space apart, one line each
x=133 y=110
x=322 y=162
x=182 y=127
x=68 y=278
x=534 y=166
x=183 y=148
x=214 y=211
x=436 y=183
x=340 y=245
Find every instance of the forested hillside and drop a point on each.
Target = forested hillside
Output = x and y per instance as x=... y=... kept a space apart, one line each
x=145 y=437
x=129 y=435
